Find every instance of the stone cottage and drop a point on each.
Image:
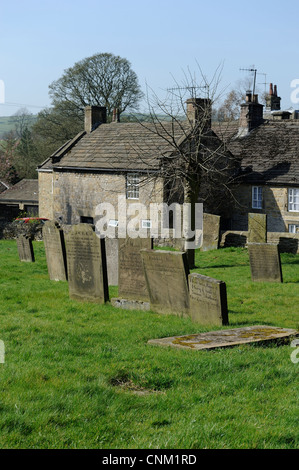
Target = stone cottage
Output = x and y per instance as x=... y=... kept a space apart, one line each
x=107 y=160
x=267 y=144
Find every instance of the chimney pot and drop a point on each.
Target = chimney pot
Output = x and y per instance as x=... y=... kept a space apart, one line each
x=272 y=100
x=248 y=96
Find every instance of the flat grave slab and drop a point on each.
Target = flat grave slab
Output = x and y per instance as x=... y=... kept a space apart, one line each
x=128 y=304
x=226 y=338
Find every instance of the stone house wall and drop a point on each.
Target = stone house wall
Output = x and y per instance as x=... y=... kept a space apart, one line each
x=275 y=205
x=45 y=194
x=69 y=196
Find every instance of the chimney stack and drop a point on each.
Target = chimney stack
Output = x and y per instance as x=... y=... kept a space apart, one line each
x=272 y=100
x=94 y=116
x=251 y=114
x=199 y=110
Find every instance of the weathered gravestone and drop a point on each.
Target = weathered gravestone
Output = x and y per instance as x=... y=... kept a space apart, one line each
x=131 y=279
x=55 y=251
x=265 y=264
x=86 y=261
x=211 y=232
x=25 y=248
x=228 y=338
x=166 y=274
x=111 y=245
x=208 y=300
x=257 y=228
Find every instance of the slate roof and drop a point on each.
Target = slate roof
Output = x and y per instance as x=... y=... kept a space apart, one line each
x=118 y=146
x=24 y=191
x=270 y=153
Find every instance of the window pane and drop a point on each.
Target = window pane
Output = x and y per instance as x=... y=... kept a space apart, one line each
x=257 y=197
x=293 y=228
x=293 y=199
x=133 y=186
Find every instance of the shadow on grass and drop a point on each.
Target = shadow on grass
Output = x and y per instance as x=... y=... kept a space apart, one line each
x=215 y=266
x=296 y=261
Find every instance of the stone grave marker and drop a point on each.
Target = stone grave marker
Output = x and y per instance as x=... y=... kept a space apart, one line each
x=25 y=248
x=265 y=264
x=55 y=251
x=227 y=338
x=111 y=245
x=257 y=228
x=131 y=279
x=166 y=274
x=208 y=300
x=86 y=261
x=211 y=232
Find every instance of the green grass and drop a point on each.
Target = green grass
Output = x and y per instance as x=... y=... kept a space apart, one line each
x=81 y=375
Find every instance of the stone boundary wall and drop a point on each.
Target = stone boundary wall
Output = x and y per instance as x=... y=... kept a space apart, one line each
x=287 y=242
x=10 y=230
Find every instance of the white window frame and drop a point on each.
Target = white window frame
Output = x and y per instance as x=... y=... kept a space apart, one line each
x=257 y=197
x=293 y=199
x=293 y=228
x=132 y=183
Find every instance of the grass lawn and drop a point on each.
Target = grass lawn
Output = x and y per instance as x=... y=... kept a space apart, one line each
x=81 y=375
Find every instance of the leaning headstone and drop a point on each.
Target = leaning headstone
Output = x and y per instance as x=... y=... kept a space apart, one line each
x=166 y=274
x=25 y=248
x=211 y=232
x=257 y=228
x=265 y=264
x=86 y=261
x=111 y=245
x=208 y=300
x=131 y=279
x=55 y=251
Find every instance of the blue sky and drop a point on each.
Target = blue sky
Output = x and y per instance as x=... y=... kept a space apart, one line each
x=39 y=39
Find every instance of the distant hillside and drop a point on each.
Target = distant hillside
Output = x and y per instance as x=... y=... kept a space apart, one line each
x=8 y=123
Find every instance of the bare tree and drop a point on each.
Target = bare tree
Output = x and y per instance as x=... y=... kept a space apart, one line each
x=196 y=159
